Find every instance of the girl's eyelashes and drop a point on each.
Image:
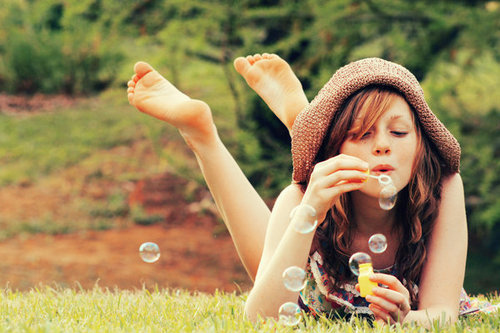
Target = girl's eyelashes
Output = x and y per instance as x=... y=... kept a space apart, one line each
x=365 y=135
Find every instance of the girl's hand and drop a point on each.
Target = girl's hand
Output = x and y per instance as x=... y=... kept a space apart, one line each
x=392 y=304
x=331 y=178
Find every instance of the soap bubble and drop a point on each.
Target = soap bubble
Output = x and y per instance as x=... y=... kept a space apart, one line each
x=377 y=243
x=289 y=314
x=294 y=278
x=387 y=197
x=149 y=252
x=357 y=259
x=306 y=221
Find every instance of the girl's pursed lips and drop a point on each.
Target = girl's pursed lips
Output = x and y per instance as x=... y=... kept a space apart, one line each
x=382 y=168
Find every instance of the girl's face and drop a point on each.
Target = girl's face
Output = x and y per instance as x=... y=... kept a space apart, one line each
x=389 y=146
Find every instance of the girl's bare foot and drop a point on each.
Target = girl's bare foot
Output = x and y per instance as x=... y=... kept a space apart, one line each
x=274 y=81
x=151 y=93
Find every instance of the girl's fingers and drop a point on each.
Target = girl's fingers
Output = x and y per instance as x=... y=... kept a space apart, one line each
x=380 y=315
x=395 y=313
x=392 y=296
x=383 y=303
x=344 y=177
x=391 y=282
x=393 y=300
x=340 y=162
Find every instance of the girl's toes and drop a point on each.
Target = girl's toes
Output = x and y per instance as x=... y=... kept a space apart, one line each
x=142 y=68
x=241 y=65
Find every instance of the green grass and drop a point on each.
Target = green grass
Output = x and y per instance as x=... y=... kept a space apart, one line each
x=47 y=309
x=35 y=146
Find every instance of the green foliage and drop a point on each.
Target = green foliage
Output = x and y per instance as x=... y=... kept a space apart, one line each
x=464 y=93
x=79 y=46
x=139 y=216
x=57 y=309
x=113 y=206
x=46 y=224
x=53 y=48
x=31 y=147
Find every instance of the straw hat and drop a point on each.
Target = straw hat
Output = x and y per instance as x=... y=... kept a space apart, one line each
x=312 y=123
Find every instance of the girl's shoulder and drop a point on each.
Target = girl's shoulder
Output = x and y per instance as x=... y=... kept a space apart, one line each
x=452 y=188
x=453 y=181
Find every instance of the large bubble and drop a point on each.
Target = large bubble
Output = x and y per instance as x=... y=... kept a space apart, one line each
x=387 y=197
x=289 y=314
x=377 y=243
x=306 y=218
x=149 y=252
x=357 y=259
x=294 y=278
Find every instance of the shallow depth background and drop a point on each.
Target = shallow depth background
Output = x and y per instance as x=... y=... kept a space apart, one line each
x=85 y=179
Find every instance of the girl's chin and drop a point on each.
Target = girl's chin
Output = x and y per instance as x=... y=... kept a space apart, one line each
x=369 y=193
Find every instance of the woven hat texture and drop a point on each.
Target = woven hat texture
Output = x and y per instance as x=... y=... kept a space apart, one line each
x=312 y=123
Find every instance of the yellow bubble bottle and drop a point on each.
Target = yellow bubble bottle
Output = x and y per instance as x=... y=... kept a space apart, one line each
x=365 y=285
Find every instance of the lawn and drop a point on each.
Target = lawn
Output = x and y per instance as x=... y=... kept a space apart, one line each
x=54 y=309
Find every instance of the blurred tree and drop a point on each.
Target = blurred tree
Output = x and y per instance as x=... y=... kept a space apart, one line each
x=451 y=46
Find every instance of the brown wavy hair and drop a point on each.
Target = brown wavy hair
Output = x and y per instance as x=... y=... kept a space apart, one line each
x=417 y=205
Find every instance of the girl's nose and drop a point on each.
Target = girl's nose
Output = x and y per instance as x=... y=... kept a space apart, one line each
x=382 y=145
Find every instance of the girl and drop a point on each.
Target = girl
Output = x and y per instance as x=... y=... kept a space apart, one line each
x=371 y=117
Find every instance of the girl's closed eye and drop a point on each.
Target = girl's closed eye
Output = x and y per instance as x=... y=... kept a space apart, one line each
x=366 y=135
x=399 y=133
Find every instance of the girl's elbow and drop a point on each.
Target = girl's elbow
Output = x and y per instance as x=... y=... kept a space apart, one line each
x=256 y=310
x=250 y=310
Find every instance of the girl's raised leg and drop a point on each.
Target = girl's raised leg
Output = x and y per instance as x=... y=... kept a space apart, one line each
x=274 y=81
x=243 y=210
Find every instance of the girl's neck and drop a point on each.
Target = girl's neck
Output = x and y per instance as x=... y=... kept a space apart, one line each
x=369 y=218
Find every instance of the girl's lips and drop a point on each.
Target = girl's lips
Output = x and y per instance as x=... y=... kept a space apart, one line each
x=382 y=168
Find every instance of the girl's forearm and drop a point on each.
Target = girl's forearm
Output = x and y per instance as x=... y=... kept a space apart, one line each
x=426 y=317
x=269 y=292
x=244 y=212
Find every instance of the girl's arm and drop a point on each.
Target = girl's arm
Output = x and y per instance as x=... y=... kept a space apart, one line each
x=285 y=247
x=443 y=273
x=244 y=212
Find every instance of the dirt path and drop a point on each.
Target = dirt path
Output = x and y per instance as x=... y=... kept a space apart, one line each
x=197 y=252
x=191 y=258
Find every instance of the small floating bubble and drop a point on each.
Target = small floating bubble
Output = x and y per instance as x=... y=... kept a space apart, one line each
x=377 y=243
x=357 y=259
x=387 y=197
x=149 y=252
x=306 y=218
x=289 y=314
x=294 y=278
